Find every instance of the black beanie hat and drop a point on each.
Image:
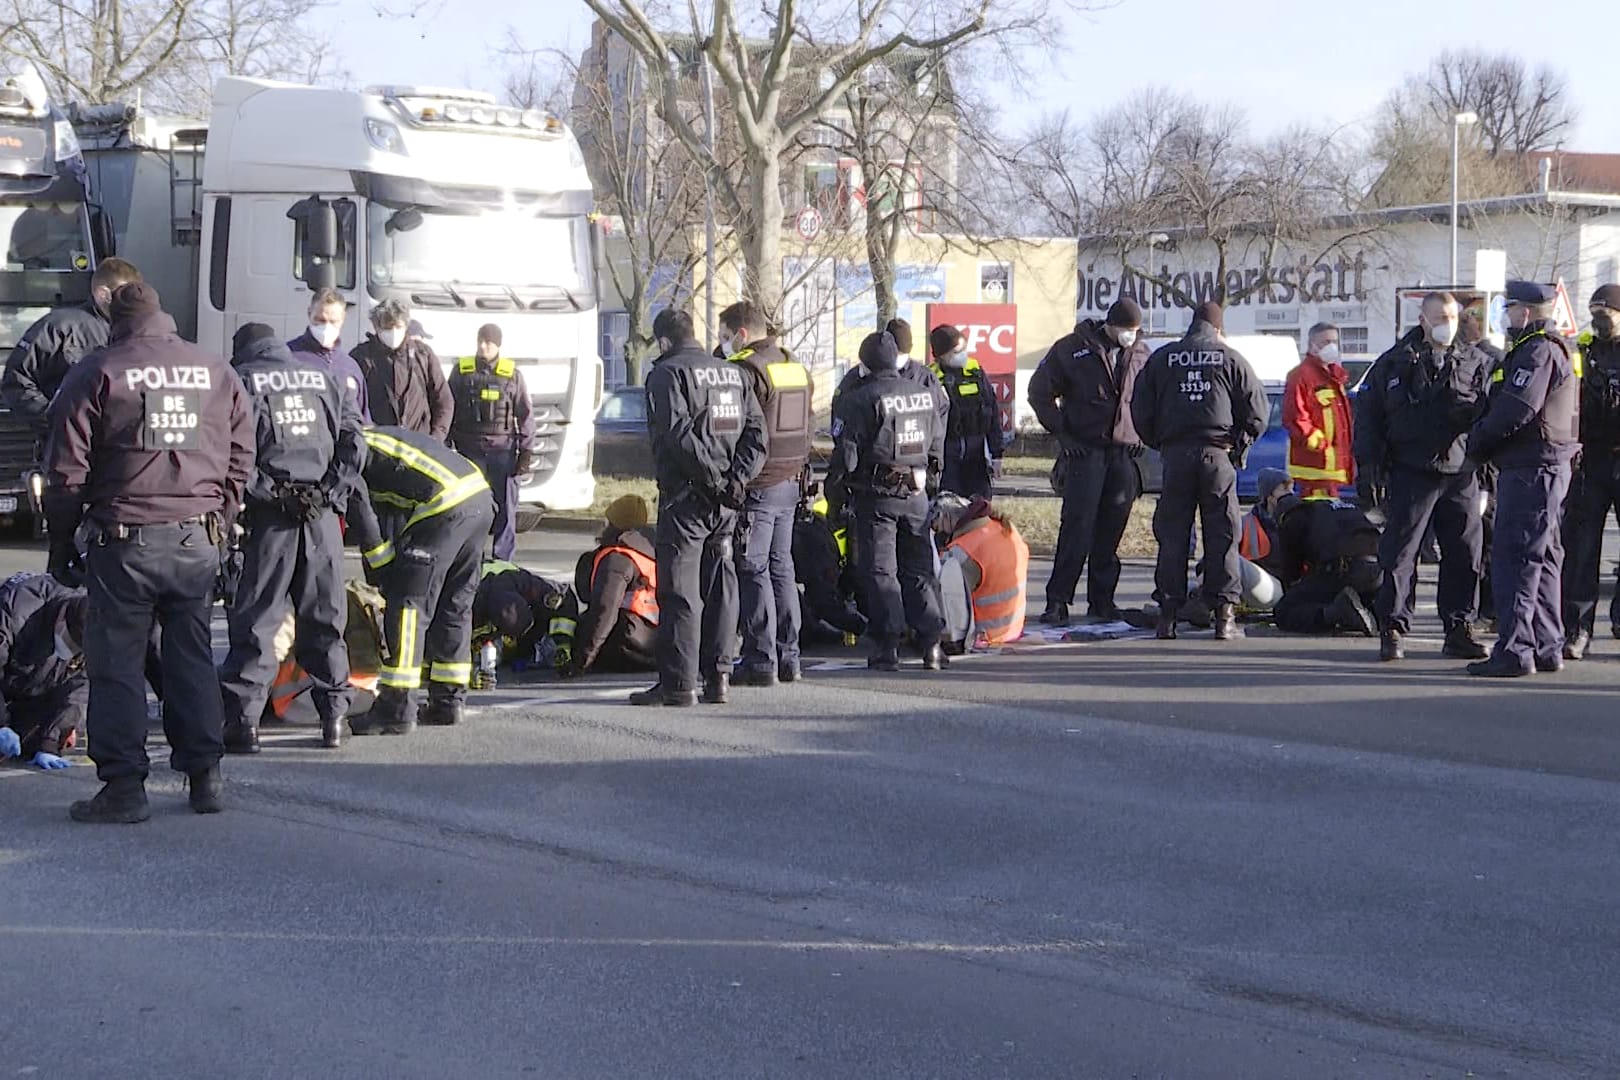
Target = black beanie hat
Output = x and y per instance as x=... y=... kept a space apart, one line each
x=1210 y=312
x=900 y=330
x=1125 y=314
x=943 y=339
x=490 y=332
x=1608 y=296
x=133 y=301
x=879 y=352
x=249 y=333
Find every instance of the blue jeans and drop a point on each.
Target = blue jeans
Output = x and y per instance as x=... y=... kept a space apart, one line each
x=768 y=592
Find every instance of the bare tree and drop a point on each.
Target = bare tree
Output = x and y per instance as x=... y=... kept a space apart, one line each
x=1519 y=109
x=168 y=51
x=768 y=95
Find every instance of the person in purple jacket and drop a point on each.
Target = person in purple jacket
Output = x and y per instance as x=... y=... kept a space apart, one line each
x=321 y=344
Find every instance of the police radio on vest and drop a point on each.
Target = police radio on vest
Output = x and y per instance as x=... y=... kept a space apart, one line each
x=169 y=378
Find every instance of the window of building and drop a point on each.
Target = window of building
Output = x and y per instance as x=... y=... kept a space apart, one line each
x=995 y=283
x=1353 y=340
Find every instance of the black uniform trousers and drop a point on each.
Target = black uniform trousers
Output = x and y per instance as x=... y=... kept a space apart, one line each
x=697 y=590
x=1304 y=606
x=429 y=589
x=1100 y=486
x=500 y=471
x=1198 y=480
x=895 y=556
x=967 y=467
x=166 y=574
x=297 y=565
x=1527 y=564
x=1593 y=492
x=1451 y=502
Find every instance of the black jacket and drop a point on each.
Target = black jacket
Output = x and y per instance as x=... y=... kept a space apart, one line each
x=493 y=413
x=1323 y=536
x=1082 y=390
x=39 y=363
x=1600 y=399
x=30 y=607
x=500 y=583
x=707 y=430
x=911 y=371
x=1415 y=408
x=785 y=392
x=307 y=425
x=1199 y=392
x=405 y=387
x=883 y=431
x=974 y=416
x=148 y=430
x=1534 y=413
x=605 y=589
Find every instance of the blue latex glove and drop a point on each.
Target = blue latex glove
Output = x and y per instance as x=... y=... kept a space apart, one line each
x=42 y=760
x=10 y=743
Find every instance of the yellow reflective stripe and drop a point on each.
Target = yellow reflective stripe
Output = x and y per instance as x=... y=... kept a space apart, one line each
x=1330 y=455
x=741 y=354
x=967 y=388
x=1305 y=472
x=562 y=627
x=381 y=555
x=467 y=365
x=388 y=498
x=409 y=455
x=971 y=367
x=1498 y=375
x=787 y=375
x=504 y=368
x=994 y=624
x=489 y=395
x=453 y=674
x=406 y=671
x=452 y=496
x=997 y=598
x=498 y=566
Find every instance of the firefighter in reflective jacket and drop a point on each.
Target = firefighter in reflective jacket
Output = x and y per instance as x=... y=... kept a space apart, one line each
x=885 y=463
x=822 y=566
x=973 y=441
x=494 y=428
x=530 y=620
x=1316 y=413
x=982 y=573
x=428 y=573
x=618 y=581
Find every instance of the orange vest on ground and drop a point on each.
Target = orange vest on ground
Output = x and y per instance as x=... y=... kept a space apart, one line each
x=1255 y=543
x=1003 y=561
x=642 y=600
x=1316 y=414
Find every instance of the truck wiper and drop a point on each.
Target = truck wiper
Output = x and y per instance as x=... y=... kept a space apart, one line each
x=573 y=301
x=430 y=298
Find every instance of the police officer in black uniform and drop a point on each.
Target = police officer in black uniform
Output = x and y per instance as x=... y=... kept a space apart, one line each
x=310 y=453
x=887 y=457
x=494 y=428
x=908 y=369
x=709 y=441
x=1412 y=417
x=1200 y=404
x=39 y=363
x=1081 y=393
x=1530 y=433
x=427 y=572
x=150 y=447
x=973 y=438
x=1327 y=559
x=1595 y=488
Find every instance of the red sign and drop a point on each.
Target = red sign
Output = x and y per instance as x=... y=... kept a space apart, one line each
x=991 y=333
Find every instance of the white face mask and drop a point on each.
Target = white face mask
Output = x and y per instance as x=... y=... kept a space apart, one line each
x=1442 y=334
x=65 y=650
x=391 y=339
x=1329 y=353
x=325 y=334
x=1126 y=338
x=955 y=359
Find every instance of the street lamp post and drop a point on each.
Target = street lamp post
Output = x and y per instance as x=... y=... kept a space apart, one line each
x=1154 y=240
x=1457 y=122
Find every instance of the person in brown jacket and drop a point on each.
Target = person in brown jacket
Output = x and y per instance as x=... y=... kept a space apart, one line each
x=1081 y=393
x=405 y=382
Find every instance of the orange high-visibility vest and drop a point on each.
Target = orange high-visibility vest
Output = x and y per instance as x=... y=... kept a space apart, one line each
x=642 y=600
x=1255 y=543
x=1003 y=561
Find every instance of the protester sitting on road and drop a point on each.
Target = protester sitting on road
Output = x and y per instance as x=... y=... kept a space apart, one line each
x=1260 y=568
x=619 y=628
x=984 y=565
x=1328 y=557
x=43 y=685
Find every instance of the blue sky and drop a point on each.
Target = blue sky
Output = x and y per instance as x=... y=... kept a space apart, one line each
x=1283 y=63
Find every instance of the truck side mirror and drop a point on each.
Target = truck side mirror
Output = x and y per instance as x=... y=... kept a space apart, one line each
x=318 y=233
x=102 y=234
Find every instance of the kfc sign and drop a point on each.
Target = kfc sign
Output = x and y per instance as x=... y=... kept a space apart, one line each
x=991 y=335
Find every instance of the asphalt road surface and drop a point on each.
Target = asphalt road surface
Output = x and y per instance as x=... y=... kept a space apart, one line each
x=1273 y=858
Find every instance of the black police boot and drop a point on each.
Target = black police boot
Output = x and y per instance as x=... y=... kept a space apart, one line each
x=1550 y=665
x=1461 y=644
x=789 y=672
x=1497 y=669
x=886 y=657
x=717 y=688
x=656 y=695
x=1390 y=647
x=207 y=789
x=1055 y=615
x=390 y=714
x=934 y=658
x=119 y=802
x=755 y=677
x=1226 y=625
x=1196 y=611
x=1576 y=645
x=1349 y=614
x=1109 y=614
x=442 y=712
x=331 y=732
x=241 y=739
x=1166 y=630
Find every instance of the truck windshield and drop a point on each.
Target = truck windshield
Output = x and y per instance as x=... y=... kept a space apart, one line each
x=542 y=258
x=44 y=236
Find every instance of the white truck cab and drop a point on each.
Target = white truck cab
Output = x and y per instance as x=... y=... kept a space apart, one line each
x=468 y=211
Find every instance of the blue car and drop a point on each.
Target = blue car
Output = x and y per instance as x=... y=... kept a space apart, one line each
x=1270 y=451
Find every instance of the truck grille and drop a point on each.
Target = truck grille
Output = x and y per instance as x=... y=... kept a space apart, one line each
x=549 y=424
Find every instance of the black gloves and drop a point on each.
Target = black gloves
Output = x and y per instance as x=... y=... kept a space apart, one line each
x=733 y=494
x=525 y=463
x=65 y=564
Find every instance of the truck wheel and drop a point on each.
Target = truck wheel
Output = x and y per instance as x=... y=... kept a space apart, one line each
x=528 y=520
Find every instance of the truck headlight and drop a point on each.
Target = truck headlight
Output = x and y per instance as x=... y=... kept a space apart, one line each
x=384 y=136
